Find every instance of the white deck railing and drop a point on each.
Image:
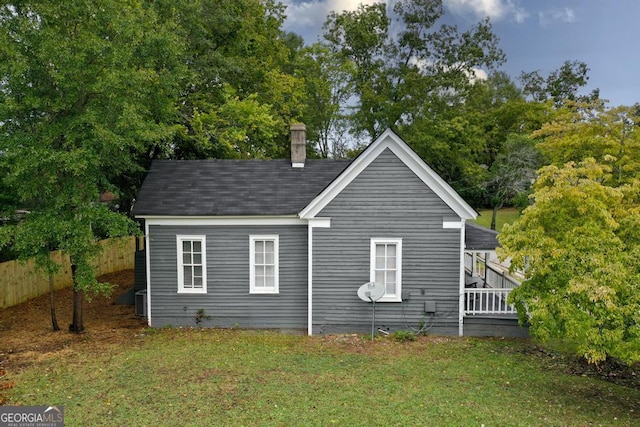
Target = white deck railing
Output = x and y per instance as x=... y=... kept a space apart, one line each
x=499 y=279
x=487 y=301
x=489 y=292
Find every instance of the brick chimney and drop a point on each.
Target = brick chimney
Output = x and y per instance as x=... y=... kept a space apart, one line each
x=298 y=145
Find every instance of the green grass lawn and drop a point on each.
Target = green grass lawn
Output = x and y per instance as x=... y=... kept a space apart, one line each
x=234 y=377
x=505 y=216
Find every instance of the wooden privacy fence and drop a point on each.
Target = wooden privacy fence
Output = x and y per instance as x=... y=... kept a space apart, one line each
x=20 y=282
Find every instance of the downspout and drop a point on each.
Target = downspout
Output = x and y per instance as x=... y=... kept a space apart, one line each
x=462 y=280
x=147 y=267
x=310 y=279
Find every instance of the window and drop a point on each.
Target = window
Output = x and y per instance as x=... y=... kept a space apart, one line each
x=192 y=269
x=263 y=261
x=386 y=267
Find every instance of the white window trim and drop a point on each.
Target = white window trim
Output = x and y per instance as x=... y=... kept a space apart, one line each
x=252 y=265
x=203 y=240
x=372 y=274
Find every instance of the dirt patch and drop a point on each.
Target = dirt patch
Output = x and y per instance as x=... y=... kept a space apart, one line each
x=26 y=335
x=611 y=370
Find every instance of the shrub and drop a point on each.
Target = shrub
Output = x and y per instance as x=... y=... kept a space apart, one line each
x=403 y=336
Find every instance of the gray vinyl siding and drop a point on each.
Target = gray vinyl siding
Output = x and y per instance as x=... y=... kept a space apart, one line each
x=494 y=326
x=227 y=301
x=387 y=200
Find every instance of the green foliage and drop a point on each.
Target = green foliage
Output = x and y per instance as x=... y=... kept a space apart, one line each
x=387 y=72
x=578 y=241
x=201 y=316
x=560 y=85
x=404 y=336
x=467 y=143
x=521 y=201
x=512 y=172
x=242 y=129
x=579 y=246
x=85 y=88
x=609 y=135
x=328 y=88
x=239 y=95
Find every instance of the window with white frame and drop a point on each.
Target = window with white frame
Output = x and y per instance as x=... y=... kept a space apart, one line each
x=192 y=268
x=264 y=265
x=386 y=267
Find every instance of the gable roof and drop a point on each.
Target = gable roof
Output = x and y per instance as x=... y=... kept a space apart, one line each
x=390 y=140
x=232 y=187
x=479 y=238
x=204 y=188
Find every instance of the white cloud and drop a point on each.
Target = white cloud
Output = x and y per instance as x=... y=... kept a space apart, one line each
x=550 y=16
x=474 y=74
x=479 y=74
x=314 y=12
x=497 y=10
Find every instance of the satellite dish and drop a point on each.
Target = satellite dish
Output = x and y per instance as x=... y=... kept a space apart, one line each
x=371 y=291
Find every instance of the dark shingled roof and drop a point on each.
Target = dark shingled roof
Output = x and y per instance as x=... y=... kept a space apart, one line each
x=479 y=238
x=233 y=187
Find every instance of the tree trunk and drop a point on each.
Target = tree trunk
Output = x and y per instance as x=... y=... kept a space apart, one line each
x=77 y=323
x=494 y=216
x=54 y=320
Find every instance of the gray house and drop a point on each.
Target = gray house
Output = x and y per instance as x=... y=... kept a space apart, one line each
x=286 y=244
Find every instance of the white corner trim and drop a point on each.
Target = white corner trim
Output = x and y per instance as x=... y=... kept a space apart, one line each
x=310 y=280
x=393 y=142
x=147 y=267
x=313 y=223
x=462 y=280
x=453 y=224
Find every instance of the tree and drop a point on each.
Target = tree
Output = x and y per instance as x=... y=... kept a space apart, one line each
x=466 y=142
x=328 y=89
x=590 y=129
x=239 y=128
x=398 y=78
x=579 y=246
x=235 y=52
x=560 y=85
x=512 y=173
x=85 y=87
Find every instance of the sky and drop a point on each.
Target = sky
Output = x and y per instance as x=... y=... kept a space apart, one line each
x=534 y=34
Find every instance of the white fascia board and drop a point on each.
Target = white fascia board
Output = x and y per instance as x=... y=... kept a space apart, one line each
x=319 y=222
x=452 y=224
x=390 y=140
x=227 y=221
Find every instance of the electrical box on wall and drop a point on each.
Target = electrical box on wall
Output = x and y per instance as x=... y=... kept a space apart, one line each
x=430 y=307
